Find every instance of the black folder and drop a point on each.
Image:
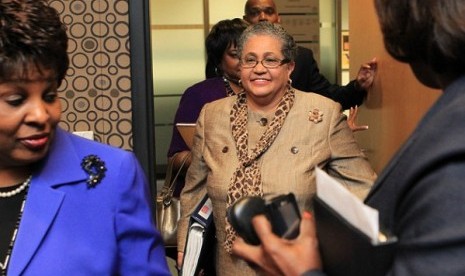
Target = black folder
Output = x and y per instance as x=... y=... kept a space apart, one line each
x=201 y=222
x=345 y=250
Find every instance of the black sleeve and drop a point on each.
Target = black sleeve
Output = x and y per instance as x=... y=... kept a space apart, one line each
x=210 y=70
x=307 y=77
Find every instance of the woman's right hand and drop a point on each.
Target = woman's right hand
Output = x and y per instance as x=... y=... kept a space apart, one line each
x=180 y=257
x=351 y=121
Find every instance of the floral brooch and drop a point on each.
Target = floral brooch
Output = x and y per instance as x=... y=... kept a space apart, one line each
x=96 y=169
x=315 y=115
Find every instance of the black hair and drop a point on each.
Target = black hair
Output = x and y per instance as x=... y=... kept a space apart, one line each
x=222 y=35
x=31 y=34
x=425 y=30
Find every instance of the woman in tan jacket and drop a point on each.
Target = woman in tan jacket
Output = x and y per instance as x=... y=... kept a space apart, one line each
x=267 y=140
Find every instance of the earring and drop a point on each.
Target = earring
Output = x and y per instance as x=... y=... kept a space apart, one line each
x=239 y=82
x=289 y=81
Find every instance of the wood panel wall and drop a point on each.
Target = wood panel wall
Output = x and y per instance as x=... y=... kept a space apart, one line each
x=396 y=102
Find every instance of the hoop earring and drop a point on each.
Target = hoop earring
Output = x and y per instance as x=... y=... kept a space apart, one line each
x=239 y=82
x=289 y=83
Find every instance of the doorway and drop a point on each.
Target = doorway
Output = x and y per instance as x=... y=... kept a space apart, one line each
x=178 y=56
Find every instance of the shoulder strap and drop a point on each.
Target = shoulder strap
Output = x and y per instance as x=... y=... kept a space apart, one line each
x=170 y=181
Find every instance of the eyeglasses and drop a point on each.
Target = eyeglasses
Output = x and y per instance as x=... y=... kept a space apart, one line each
x=269 y=63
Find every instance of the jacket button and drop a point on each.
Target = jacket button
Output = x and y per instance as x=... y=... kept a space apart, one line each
x=295 y=150
x=263 y=121
x=225 y=149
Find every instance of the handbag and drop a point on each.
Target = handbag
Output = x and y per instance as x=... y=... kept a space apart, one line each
x=168 y=209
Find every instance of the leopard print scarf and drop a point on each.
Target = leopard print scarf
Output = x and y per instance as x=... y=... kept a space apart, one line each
x=246 y=180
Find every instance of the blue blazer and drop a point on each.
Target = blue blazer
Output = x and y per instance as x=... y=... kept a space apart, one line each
x=70 y=229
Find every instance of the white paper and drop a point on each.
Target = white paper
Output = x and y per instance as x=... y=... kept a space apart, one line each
x=193 y=249
x=350 y=207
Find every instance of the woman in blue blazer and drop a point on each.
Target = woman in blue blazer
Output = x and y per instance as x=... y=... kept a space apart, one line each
x=68 y=206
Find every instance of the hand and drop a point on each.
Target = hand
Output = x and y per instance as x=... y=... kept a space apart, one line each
x=278 y=256
x=366 y=74
x=179 y=260
x=351 y=121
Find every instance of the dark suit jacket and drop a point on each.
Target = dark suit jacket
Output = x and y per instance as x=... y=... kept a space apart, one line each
x=69 y=229
x=306 y=77
x=421 y=193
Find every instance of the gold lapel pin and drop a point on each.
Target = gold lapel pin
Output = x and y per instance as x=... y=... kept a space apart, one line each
x=315 y=115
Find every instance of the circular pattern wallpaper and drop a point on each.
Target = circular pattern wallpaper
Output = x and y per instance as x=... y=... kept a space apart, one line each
x=96 y=94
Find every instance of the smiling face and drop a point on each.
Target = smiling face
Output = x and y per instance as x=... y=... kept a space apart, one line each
x=29 y=112
x=264 y=86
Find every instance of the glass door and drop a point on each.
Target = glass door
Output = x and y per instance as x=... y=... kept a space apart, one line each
x=178 y=33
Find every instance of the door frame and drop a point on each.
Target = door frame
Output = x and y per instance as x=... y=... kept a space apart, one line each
x=142 y=88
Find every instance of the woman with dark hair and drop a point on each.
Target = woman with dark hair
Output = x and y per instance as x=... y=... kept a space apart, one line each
x=68 y=205
x=221 y=45
x=420 y=195
x=221 y=41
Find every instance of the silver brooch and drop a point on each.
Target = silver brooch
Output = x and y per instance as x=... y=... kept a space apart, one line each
x=315 y=115
x=96 y=169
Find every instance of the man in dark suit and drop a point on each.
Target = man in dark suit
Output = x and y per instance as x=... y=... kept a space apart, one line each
x=306 y=75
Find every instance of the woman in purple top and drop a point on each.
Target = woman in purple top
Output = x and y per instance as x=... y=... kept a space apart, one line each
x=222 y=82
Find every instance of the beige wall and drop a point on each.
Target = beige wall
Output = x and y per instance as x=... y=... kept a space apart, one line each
x=397 y=101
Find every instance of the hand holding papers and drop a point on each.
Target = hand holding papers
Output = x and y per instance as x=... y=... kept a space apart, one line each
x=348 y=232
x=340 y=199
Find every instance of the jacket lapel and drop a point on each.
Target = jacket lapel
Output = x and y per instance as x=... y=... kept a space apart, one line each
x=44 y=199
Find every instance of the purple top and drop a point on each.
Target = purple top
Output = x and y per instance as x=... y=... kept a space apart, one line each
x=191 y=104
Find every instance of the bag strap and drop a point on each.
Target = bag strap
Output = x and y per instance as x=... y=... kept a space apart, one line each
x=170 y=181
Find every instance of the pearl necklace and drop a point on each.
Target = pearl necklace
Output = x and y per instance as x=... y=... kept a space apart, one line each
x=17 y=190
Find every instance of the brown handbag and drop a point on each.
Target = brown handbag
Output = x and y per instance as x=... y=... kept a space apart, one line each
x=168 y=208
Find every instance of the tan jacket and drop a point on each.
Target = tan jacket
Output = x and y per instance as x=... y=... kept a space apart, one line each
x=287 y=166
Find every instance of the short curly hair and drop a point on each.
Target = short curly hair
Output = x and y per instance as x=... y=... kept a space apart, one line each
x=31 y=34
x=288 y=48
x=432 y=31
